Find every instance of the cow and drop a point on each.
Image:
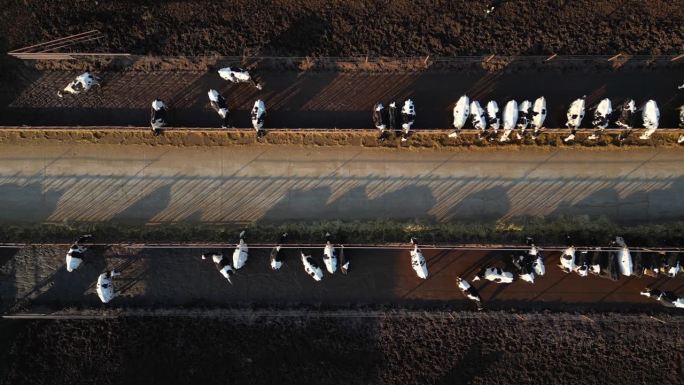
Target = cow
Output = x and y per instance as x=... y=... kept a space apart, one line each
x=602 y=115
x=329 y=255
x=392 y=118
x=379 y=121
x=469 y=291
x=345 y=261
x=277 y=256
x=651 y=117
x=408 y=117
x=218 y=103
x=493 y=121
x=494 y=274
x=418 y=262
x=595 y=261
x=672 y=267
x=240 y=254
x=461 y=112
x=478 y=118
x=83 y=83
x=222 y=264
x=258 y=115
x=538 y=115
x=538 y=258
x=158 y=116
x=105 y=286
x=626 y=118
x=510 y=119
x=626 y=264
x=667 y=298
x=238 y=75
x=525 y=265
x=76 y=253
x=311 y=267
x=582 y=265
x=524 y=117
x=575 y=115
x=567 y=258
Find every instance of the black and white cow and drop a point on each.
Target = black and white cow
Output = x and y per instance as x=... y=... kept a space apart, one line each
x=311 y=267
x=76 y=253
x=345 y=261
x=329 y=255
x=524 y=117
x=627 y=118
x=277 y=256
x=379 y=121
x=538 y=115
x=673 y=266
x=83 y=83
x=159 y=116
x=418 y=262
x=241 y=252
x=105 y=286
x=258 y=117
x=469 y=291
x=408 y=117
x=494 y=274
x=667 y=298
x=524 y=263
x=681 y=123
x=238 y=75
x=602 y=114
x=493 y=121
x=575 y=115
x=582 y=263
x=222 y=264
x=219 y=104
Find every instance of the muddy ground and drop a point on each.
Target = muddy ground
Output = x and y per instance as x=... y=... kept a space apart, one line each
x=493 y=348
x=355 y=28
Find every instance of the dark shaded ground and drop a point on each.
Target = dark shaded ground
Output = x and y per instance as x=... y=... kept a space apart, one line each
x=492 y=348
x=325 y=99
x=397 y=28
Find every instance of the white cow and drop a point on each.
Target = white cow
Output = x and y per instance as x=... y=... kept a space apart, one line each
x=418 y=262
x=510 y=119
x=311 y=268
x=538 y=114
x=81 y=84
x=624 y=258
x=478 y=117
x=493 y=117
x=76 y=253
x=105 y=286
x=651 y=118
x=238 y=75
x=575 y=115
x=329 y=255
x=461 y=112
x=240 y=253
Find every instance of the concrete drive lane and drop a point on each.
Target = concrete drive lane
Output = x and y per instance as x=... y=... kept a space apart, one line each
x=146 y=184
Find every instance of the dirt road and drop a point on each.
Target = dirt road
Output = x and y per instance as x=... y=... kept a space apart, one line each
x=325 y=99
x=35 y=277
x=268 y=183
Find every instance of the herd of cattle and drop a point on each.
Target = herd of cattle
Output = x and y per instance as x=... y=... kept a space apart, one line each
x=617 y=261
x=516 y=118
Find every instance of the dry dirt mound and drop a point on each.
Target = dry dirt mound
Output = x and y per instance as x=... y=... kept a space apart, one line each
x=356 y=28
x=491 y=348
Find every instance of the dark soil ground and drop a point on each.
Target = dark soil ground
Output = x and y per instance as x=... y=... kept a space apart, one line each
x=355 y=28
x=492 y=348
